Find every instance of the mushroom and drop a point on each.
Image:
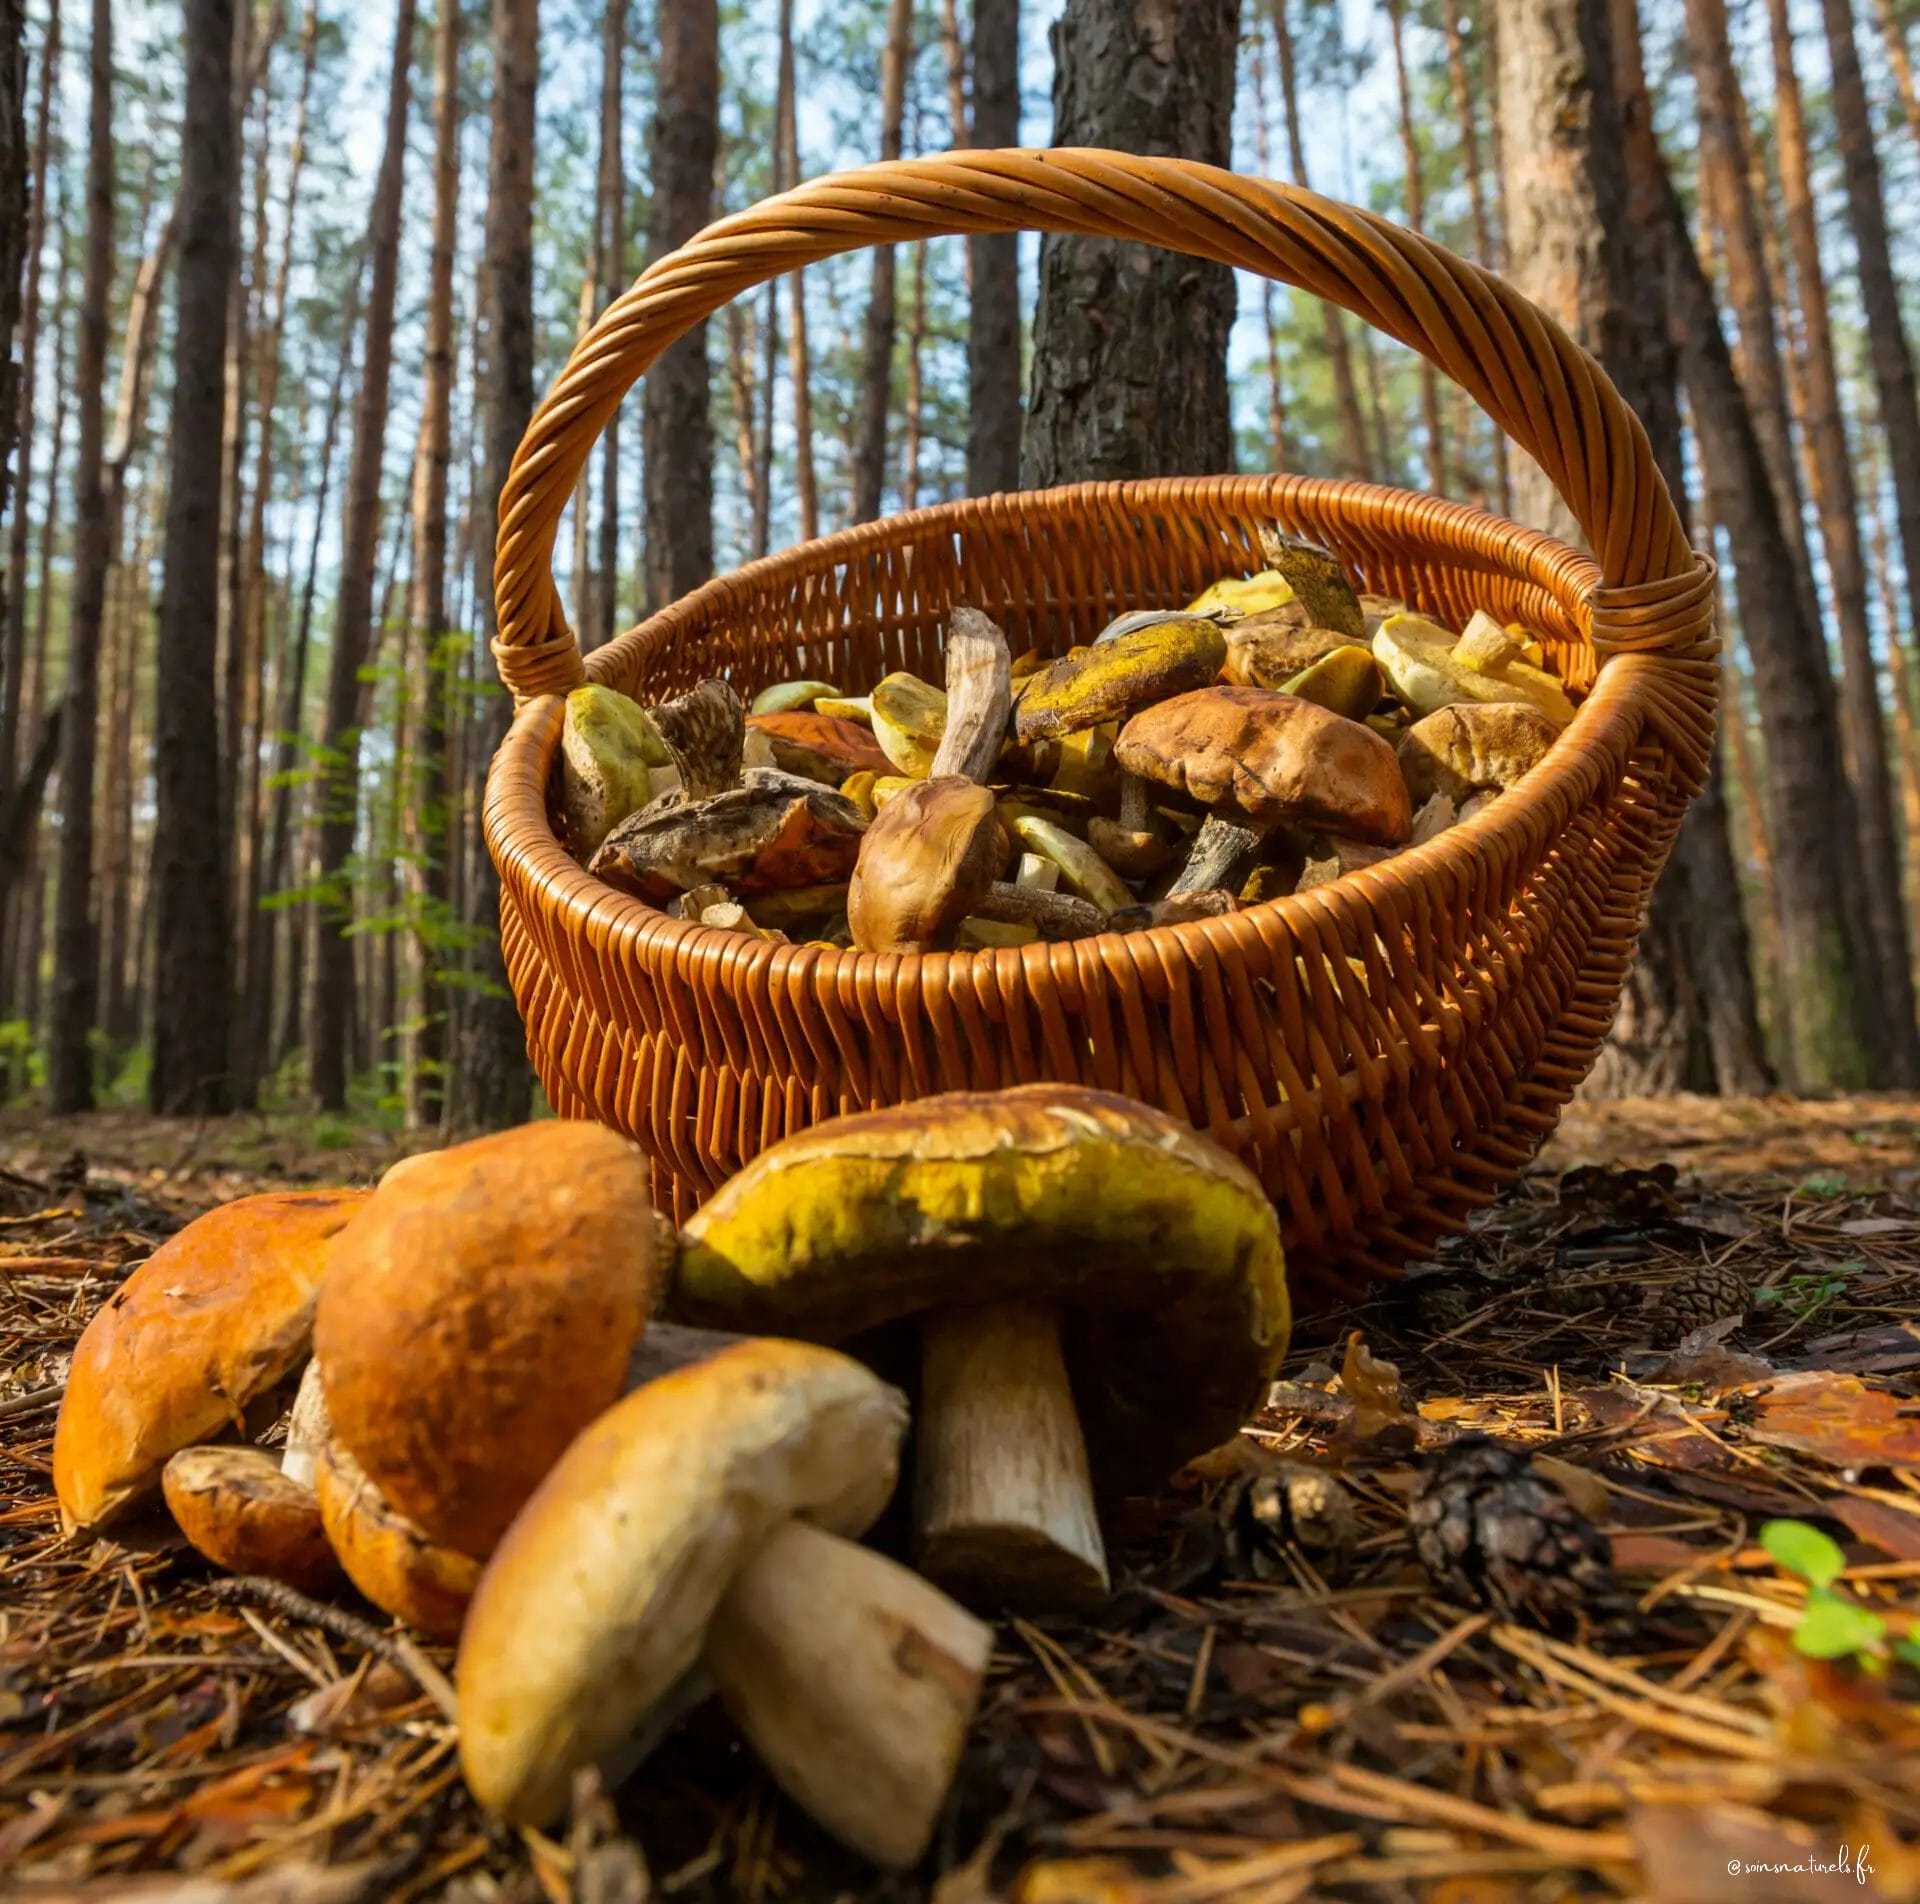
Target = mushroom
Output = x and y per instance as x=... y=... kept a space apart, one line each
x=778 y=829
x=1129 y=843
x=1348 y=681
x=1474 y=748
x=1331 y=858
x=1428 y=669
x=1046 y=914
x=1034 y=1234
x=979 y=697
x=1214 y=903
x=421 y=1581
x=608 y=751
x=925 y=863
x=213 y=1321
x=239 y=1509
x=1268 y=651
x=1241 y=595
x=819 y=746
x=1119 y=675
x=1258 y=759
x=706 y=1524
x=705 y=733
x=480 y=1314
x=909 y=719
x=1082 y=868
x=1319 y=580
x=789 y=697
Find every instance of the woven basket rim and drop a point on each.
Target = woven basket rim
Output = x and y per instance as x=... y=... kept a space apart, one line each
x=556 y=878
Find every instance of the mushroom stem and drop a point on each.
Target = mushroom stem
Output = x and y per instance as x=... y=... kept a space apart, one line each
x=1003 y=1501
x=1133 y=803
x=855 y=1682
x=1220 y=855
x=307 y=1428
x=1056 y=915
x=979 y=697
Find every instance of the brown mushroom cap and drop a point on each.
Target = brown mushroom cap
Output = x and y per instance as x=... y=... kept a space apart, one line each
x=1274 y=758
x=385 y=1555
x=245 y=1516
x=483 y=1316
x=1161 y=1251
x=821 y=747
x=775 y=830
x=1474 y=747
x=924 y=864
x=216 y=1317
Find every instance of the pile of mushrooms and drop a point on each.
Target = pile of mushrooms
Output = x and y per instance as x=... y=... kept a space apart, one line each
x=1279 y=731
x=479 y=1431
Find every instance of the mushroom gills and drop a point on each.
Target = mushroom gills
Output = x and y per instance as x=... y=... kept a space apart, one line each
x=1003 y=1498
x=854 y=1680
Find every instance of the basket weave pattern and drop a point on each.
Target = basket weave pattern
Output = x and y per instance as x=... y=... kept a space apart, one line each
x=1386 y=1051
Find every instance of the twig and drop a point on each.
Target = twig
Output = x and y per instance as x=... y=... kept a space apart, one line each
x=396 y=1649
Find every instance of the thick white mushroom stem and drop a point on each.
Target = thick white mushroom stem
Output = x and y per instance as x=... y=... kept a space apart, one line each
x=307 y=1426
x=1003 y=1501
x=854 y=1680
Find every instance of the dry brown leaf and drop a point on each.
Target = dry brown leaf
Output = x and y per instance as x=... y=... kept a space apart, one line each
x=1838 y=1418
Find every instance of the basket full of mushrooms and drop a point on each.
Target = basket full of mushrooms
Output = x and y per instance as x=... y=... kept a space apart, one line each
x=1319 y=815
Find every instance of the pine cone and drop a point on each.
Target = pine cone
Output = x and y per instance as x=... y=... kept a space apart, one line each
x=1291 y=1505
x=1582 y=1292
x=1490 y=1531
x=1701 y=1296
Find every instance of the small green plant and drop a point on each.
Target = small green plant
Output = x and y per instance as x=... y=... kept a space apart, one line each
x=1824 y=1183
x=1804 y=1295
x=1832 y=1626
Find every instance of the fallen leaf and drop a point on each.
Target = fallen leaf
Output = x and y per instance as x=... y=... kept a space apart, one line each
x=1701 y=1854
x=1888 y=1528
x=1838 y=1419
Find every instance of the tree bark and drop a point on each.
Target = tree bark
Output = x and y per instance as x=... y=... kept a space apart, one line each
x=993 y=264
x=432 y=642
x=492 y=1083
x=1826 y=1027
x=1130 y=342
x=806 y=488
x=1269 y=291
x=675 y=421
x=610 y=256
x=293 y=696
x=13 y=616
x=916 y=343
x=353 y=607
x=70 y=1052
x=1416 y=210
x=256 y=930
x=192 y=988
x=1356 y=459
x=1899 y=405
x=1900 y=59
x=876 y=349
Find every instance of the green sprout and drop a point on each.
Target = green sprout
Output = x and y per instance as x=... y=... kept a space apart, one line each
x=1831 y=1626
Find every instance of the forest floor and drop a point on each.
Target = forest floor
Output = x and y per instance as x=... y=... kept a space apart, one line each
x=1254 y=1719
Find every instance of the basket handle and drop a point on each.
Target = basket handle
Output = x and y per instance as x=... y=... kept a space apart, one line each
x=1540 y=387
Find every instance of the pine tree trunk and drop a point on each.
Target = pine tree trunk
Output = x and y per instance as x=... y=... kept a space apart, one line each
x=1130 y=342
x=1483 y=246
x=1825 y=1029
x=741 y=403
x=491 y=1084
x=1416 y=210
x=610 y=255
x=1688 y=1019
x=993 y=264
x=256 y=926
x=1904 y=698
x=13 y=613
x=676 y=427
x=1729 y=204
x=353 y=606
x=293 y=696
x=806 y=488
x=427 y=607
x=1899 y=405
x=1900 y=59
x=876 y=350
x=70 y=1041
x=1269 y=291
x=1355 y=458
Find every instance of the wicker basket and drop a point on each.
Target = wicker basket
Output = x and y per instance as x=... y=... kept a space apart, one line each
x=1384 y=1052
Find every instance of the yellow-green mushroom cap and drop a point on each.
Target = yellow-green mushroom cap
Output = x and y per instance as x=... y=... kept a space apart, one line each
x=1116 y=676
x=1161 y=1252
x=607 y=748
